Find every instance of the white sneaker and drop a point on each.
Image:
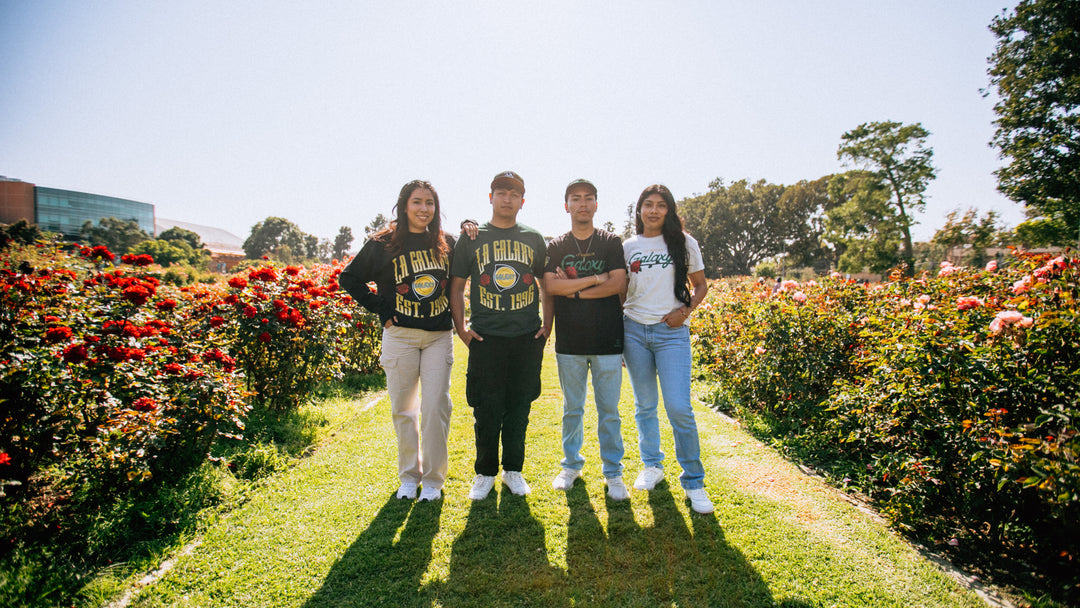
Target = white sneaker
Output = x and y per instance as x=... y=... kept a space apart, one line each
x=481 y=485
x=616 y=489
x=699 y=500
x=648 y=478
x=516 y=483
x=428 y=494
x=565 y=479
x=407 y=490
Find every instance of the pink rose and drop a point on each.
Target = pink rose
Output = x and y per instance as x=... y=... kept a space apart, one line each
x=968 y=302
x=991 y=266
x=798 y=296
x=1021 y=286
x=1009 y=317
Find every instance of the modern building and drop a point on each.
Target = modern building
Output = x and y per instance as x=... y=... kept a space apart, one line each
x=65 y=212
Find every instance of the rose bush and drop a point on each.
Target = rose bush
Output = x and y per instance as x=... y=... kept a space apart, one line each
x=951 y=400
x=103 y=374
x=289 y=329
x=108 y=374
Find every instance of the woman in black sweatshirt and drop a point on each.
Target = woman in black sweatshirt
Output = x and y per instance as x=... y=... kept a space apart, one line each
x=409 y=263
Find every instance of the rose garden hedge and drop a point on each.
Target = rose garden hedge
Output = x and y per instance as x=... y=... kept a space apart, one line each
x=110 y=376
x=950 y=400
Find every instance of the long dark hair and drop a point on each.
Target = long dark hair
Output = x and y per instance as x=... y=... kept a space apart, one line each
x=674 y=237
x=394 y=234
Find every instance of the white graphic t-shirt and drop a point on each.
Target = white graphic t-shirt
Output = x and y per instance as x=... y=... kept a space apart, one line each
x=651 y=293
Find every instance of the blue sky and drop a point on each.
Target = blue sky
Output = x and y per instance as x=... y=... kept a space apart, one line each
x=225 y=113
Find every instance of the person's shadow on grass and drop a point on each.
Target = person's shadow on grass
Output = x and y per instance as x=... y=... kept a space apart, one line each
x=664 y=563
x=500 y=558
x=376 y=570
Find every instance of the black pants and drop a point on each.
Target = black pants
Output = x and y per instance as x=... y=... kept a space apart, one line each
x=502 y=382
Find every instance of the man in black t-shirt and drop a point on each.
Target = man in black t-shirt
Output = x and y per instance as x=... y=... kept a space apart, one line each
x=583 y=281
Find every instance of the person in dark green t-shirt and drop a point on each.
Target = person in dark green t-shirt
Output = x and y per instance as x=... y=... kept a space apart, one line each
x=505 y=267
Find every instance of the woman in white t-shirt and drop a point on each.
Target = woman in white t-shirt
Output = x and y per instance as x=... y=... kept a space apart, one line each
x=662 y=260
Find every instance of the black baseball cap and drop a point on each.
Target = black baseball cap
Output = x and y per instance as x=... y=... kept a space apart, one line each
x=576 y=183
x=508 y=178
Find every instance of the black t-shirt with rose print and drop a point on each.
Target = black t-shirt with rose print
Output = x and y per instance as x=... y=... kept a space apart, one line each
x=587 y=326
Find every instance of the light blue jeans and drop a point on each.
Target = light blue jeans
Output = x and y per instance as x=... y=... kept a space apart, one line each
x=659 y=351
x=607 y=382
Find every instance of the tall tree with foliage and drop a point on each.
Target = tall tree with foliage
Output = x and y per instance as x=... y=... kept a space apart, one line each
x=898 y=155
x=861 y=226
x=1036 y=71
x=276 y=235
x=342 y=242
x=118 y=235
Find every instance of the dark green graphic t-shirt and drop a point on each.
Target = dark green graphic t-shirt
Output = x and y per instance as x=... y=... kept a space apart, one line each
x=504 y=266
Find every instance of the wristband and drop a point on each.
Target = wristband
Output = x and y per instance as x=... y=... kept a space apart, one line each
x=577 y=295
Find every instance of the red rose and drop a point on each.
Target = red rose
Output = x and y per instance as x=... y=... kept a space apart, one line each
x=264 y=337
x=57 y=334
x=238 y=282
x=5 y=458
x=144 y=404
x=571 y=272
x=137 y=294
x=527 y=279
x=485 y=279
x=635 y=266
x=403 y=289
x=217 y=321
x=76 y=353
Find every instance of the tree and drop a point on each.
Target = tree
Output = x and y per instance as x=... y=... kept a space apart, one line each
x=966 y=238
x=630 y=225
x=177 y=233
x=165 y=252
x=802 y=208
x=1036 y=70
x=861 y=226
x=342 y=243
x=736 y=226
x=118 y=235
x=22 y=232
x=898 y=155
x=376 y=224
x=271 y=235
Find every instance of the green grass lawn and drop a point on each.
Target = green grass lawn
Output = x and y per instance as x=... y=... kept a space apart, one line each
x=329 y=532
